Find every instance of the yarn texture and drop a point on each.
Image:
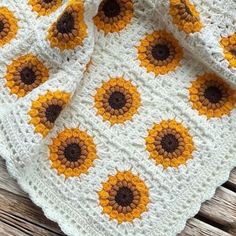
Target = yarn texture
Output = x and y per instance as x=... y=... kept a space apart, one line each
x=118 y=117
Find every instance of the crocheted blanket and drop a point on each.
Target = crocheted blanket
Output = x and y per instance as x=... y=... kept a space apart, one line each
x=118 y=116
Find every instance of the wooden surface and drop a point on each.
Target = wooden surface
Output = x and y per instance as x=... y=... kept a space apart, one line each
x=20 y=217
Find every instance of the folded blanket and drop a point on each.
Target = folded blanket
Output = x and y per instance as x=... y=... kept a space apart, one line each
x=118 y=116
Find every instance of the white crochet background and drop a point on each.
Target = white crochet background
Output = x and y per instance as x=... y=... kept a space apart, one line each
x=175 y=193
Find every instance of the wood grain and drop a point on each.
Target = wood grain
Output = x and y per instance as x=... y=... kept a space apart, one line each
x=196 y=227
x=231 y=183
x=20 y=217
x=221 y=209
x=7 y=230
x=19 y=210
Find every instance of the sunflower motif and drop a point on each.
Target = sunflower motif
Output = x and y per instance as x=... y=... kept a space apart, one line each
x=72 y=152
x=45 y=110
x=114 y=15
x=8 y=26
x=159 y=52
x=185 y=16
x=169 y=143
x=117 y=100
x=229 y=46
x=212 y=96
x=124 y=197
x=45 y=7
x=69 y=30
x=24 y=74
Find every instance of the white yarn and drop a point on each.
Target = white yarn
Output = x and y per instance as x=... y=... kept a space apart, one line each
x=175 y=193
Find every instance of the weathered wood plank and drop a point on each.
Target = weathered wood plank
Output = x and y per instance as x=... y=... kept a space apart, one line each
x=196 y=227
x=231 y=183
x=7 y=182
x=9 y=230
x=221 y=209
x=21 y=224
x=21 y=211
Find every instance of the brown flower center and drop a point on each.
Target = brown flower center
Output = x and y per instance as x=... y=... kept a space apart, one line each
x=213 y=94
x=124 y=196
x=111 y=8
x=66 y=23
x=1 y=26
x=52 y=112
x=169 y=143
x=47 y=1
x=160 y=52
x=27 y=76
x=72 y=152
x=233 y=51
x=117 y=100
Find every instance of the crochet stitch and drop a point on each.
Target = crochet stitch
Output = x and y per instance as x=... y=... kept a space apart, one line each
x=118 y=116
